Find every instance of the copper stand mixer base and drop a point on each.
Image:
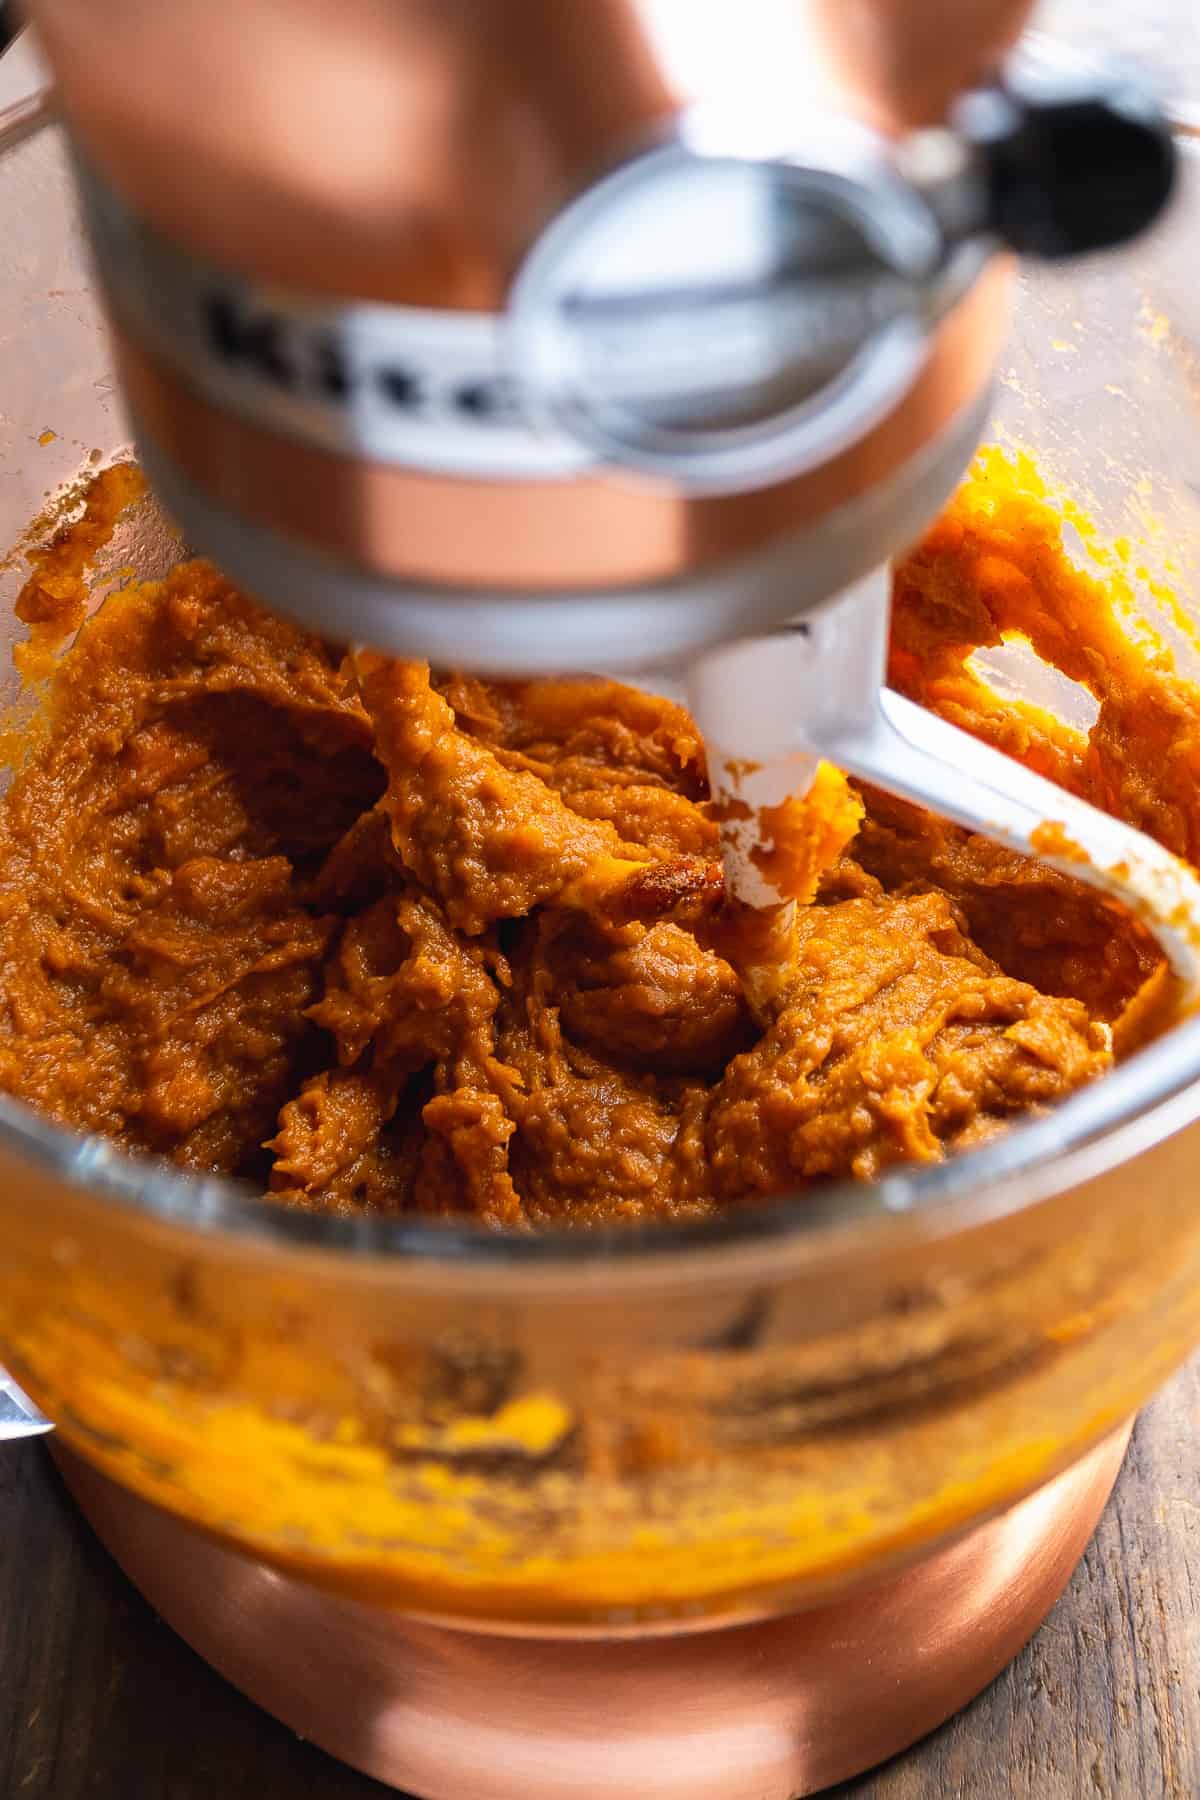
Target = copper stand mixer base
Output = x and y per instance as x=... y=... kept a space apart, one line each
x=765 y=1711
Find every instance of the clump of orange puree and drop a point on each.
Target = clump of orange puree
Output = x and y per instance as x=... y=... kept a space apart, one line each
x=378 y=938
x=54 y=599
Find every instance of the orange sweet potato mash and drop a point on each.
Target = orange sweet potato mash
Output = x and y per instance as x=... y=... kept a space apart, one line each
x=372 y=937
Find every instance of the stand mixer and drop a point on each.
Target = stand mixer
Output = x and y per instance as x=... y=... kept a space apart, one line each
x=531 y=337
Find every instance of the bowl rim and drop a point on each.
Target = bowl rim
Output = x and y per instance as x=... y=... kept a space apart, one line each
x=1139 y=1104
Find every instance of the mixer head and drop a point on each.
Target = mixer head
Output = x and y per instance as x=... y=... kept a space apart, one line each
x=601 y=374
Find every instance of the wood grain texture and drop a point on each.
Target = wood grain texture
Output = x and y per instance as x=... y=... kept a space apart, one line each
x=99 y=1701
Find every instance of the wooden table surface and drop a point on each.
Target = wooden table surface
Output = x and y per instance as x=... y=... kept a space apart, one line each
x=100 y=1701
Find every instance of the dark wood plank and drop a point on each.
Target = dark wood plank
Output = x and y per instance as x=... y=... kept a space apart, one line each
x=99 y=1701
x=98 y=1698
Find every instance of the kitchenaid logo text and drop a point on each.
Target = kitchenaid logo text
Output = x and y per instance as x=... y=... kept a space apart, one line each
x=414 y=387
x=321 y=363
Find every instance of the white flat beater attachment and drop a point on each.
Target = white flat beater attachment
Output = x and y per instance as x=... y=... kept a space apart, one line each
x=771 y=708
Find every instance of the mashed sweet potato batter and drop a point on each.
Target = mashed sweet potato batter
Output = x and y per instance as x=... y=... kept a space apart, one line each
x=376 y=938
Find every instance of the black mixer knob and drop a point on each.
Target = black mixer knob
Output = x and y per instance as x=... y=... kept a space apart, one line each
x=1074 y=158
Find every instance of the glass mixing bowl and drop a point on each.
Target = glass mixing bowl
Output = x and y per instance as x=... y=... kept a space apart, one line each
x=616 y=1430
